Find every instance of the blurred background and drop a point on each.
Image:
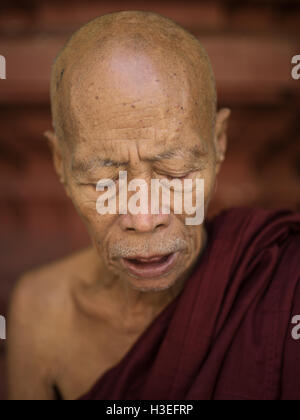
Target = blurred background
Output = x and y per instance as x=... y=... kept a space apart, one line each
x=251 y=44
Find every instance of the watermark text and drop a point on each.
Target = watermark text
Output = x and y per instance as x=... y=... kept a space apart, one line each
x=296 y=68
x=2 y=328
x=2 y=67
x=185 y=191
x=296 y=329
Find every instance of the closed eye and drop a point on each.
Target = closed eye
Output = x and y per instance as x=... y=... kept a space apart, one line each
x=176 y=176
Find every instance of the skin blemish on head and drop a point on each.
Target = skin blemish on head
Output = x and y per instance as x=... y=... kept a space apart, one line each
x=60 y=78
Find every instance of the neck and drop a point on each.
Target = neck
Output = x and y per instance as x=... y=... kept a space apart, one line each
x=152 y=302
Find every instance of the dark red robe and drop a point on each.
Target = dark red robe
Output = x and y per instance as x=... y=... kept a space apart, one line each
x=229 y=334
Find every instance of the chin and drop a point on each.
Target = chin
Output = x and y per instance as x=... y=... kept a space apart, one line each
x=151 y=285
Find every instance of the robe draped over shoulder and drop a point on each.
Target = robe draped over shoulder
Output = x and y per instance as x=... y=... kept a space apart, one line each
x=229 y=333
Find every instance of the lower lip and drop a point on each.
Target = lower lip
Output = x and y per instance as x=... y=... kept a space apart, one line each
x=151 y=270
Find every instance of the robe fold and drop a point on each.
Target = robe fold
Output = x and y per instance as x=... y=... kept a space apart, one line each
x=228 y=335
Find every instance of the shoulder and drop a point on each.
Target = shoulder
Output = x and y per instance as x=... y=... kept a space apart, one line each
x=256 y=225
x=42 y=296
x=54 y=277
x=258 y=215
x=39 y=319
x=290 y=375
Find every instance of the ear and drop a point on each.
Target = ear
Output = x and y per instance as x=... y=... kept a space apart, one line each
x=57 y=155
x=220 y=139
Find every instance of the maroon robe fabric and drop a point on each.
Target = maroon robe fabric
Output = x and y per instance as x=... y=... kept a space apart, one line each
x=228 y=336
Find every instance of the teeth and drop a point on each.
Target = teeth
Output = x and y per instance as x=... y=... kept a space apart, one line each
x=145 y=260
x=150 y=260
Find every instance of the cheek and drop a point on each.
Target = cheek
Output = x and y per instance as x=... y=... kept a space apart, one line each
x=194 y=237
x=85 y=203
x=208 y=176
x=209 y=182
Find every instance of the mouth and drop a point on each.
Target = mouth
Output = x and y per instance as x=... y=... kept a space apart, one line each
x=150 y=267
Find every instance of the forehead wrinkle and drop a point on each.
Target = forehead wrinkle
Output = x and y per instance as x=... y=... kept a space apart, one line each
x=193 y=153
x=87 y=165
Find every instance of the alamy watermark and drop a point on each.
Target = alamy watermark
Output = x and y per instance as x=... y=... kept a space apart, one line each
x=2 y=67
x=2 y=328
x=296 y=68
x=296 y=329
x=184 y=191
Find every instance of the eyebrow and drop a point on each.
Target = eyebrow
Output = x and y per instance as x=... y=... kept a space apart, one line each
x=88 y=165
x=193 y=153
x=178 y=152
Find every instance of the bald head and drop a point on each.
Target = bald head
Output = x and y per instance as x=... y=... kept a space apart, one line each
x=128 y=58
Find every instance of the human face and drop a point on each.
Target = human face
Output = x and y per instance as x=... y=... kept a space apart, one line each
x=151 y=125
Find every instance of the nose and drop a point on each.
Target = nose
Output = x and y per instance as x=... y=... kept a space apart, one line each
x=144 y=223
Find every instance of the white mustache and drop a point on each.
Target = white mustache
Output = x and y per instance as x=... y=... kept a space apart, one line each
x=168 y=246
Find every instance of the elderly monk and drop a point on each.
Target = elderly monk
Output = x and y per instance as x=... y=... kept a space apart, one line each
x=155 y=308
